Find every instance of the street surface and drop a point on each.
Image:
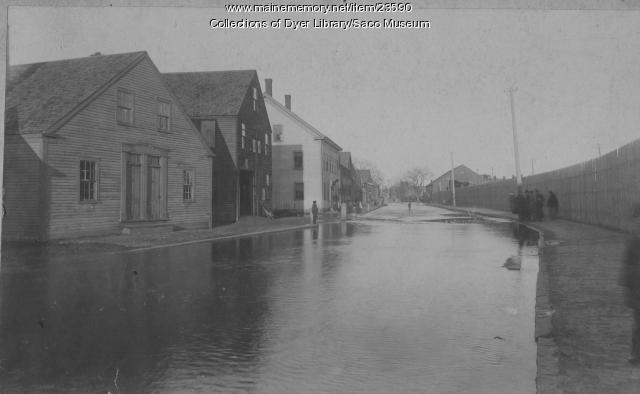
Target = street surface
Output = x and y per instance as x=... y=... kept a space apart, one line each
x=386 y=303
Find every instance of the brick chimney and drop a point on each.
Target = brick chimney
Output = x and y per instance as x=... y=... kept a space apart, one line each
x=287 y=101
x=268 y=86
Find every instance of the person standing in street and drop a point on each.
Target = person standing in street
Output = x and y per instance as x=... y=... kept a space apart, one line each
x=410 y=211
x=314 y=212
x=552 y=205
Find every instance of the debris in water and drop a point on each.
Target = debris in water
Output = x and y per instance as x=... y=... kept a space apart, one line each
x=513 y=263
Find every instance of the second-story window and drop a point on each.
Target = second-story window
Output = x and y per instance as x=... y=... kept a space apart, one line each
x=267 y=144
x=124 y=112
x=255 y=99
x=297 y=160
x=164 y=115
x=244 y=136
x=259 y=146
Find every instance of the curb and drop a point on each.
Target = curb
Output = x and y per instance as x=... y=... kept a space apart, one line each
x=547 y=360
x=222 y=238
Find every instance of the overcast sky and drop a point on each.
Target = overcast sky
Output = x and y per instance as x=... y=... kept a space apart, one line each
x=398 y=98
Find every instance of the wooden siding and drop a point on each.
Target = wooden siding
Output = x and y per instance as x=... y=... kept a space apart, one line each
x=284 y=178
x=94 y=134
x=603 y=191
x=23 y=168
x=258 y=125
x=295 y=134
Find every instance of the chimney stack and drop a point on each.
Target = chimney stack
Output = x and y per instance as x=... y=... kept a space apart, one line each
x=268 y=86
x=287 y=101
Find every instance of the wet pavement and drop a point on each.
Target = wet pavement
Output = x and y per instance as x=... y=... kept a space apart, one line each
x=387 y=303
x=589 y=340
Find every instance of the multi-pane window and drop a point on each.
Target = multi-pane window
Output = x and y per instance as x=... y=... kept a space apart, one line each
x=244 y=136
x=255 y=99
x=277 y=133
x=164 y=115
x=124 y=112
x=298 y=188
x=259 y=146
x=208 y=130
x=297 y=160
x=188 y=185
x=267 y=143
x=267 y=186
x=88 y=181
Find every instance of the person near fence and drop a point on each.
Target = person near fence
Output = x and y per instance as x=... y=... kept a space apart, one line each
x=521 y=207
x=552 y=205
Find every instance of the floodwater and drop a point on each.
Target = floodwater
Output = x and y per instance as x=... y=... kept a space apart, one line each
x=359 y=307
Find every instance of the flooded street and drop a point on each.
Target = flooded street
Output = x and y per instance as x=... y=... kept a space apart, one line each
x=396 y=304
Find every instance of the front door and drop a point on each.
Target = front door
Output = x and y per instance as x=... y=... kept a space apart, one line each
x=133 y=183
x=246 y=193
x=154 y=188
x=144 y=188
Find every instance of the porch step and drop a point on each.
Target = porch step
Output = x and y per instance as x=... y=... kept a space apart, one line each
x=147 y=228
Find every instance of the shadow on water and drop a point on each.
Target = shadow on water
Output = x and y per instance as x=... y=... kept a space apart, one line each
x=340 y=306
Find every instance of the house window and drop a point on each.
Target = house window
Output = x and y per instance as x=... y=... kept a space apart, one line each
x=124 y=112
x=164 y=115
x=298 y=190
x=277 y=133
x=208 y=130
x=267 y=187
x=88 y=181
x=297 y=160
x=188 y=185
x=259 y=146
x=254 y=145
x=255 y=99
x=244 y=136
x=267 y=143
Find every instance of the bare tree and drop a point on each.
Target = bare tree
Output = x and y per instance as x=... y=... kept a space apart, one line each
x=376 y=174
x=418 y=178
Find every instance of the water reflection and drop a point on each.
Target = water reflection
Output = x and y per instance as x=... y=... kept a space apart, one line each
x=347 y=307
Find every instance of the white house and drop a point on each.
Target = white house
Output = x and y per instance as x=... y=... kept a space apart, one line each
x=306 y=163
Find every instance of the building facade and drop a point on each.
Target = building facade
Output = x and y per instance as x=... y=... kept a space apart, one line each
x=98 y=144
x=306 y=162
x=229 y=110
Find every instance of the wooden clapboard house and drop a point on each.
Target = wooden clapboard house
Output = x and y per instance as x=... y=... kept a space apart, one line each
x=98 y=144
x=228 y=108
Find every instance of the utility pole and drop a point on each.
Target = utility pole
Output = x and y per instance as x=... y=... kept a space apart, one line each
x=515 y=137
x=599 y=154
x=453 y=182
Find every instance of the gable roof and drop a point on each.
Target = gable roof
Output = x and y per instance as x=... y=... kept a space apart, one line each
x=306 y=126
x=211 y=92
x=365 y=176
x=456 y=171
x=41 y=96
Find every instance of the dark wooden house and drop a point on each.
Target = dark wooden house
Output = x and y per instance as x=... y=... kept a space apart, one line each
x=98 y=144
x=228 y=108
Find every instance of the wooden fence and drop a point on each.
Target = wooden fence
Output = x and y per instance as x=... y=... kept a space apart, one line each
x=603 y=191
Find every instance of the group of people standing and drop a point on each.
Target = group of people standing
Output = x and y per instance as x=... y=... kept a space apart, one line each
x=530 y=205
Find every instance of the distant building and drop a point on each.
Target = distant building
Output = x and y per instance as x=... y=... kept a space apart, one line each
x=351 y=191
x=229 y=110
x=370 y=189
x=463 y=177
x=306 y=164
x=98 y=144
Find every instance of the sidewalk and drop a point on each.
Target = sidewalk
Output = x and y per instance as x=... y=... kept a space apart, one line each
x=583 y=329
x=140 y=239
